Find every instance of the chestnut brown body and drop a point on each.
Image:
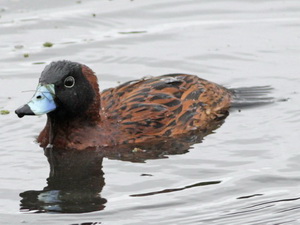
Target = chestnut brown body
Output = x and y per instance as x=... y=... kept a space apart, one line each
x=138 y=111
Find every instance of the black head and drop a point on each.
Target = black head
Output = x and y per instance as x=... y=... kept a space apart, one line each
x=70 y=89
x=73 y=92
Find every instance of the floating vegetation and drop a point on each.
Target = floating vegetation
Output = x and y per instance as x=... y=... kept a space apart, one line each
x=48 y=44
x=4 y=112
x=26 y=55
x=37 y=63
x=19 y=46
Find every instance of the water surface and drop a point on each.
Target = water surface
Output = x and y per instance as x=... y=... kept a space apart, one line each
x=246 y=172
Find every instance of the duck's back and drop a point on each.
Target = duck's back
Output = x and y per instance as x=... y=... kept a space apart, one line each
x=167 y=105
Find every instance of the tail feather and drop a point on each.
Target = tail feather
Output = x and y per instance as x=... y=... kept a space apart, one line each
x=246 y=97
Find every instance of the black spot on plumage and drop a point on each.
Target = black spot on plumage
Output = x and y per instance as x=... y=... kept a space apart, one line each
x=178 y=94
x=158 y=125
x=174 y=83
x=137 y=105
x=159 y=85
x=120 y=94
x=110 y=104
x=166 y=83
x=141 y=110
x=129 y=89
x=217 y=101
x=172 y=103
x=123 y=107
x=129 y=116
x=186 y=116
x=173 y=123
x=167 y=133
x=157 y=108
x=142 y=99
x=138 y=95
x=152 y=107
x=171 y=117
x=178 y=110
x=159 y=119
x=147 y=123
x=144 y=90
x=160 y=96
x=194 y=94
x=130 y=123
x=109 y=96
x=189 y=81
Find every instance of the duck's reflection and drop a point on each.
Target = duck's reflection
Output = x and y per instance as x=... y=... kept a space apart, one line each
x=76 y=177
x=74 y=184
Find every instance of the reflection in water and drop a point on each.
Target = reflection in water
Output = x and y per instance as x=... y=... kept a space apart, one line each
x=76 y=178
x=74 y=185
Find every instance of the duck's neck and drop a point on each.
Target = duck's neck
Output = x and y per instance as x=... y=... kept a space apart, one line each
x=73 y=131
x=70 y=133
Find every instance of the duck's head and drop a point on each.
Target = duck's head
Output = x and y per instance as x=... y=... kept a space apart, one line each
x=65 y=89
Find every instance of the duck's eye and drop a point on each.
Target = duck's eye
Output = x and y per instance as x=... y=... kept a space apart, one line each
x=69 y=82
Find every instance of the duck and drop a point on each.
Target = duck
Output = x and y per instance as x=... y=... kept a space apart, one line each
x=138 y=111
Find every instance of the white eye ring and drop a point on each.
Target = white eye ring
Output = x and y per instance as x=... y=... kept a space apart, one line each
x=69 y=82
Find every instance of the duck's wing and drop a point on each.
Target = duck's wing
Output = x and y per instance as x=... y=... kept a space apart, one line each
x=165 y=105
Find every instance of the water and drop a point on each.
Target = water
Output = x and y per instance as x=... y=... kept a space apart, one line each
x=246 y=172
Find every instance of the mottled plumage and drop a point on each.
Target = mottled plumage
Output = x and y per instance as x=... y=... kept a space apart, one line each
x=140 y=111
x=167 y=105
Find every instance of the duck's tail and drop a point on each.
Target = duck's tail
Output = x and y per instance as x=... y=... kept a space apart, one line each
x=246 y=97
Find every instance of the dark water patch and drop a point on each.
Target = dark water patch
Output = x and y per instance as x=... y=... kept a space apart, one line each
x=249 y=196
x=272 y=202
x=177 y=189
x=133 y=32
